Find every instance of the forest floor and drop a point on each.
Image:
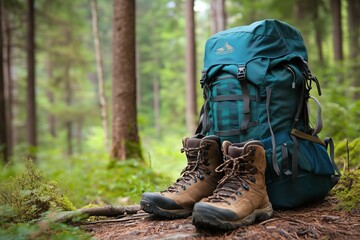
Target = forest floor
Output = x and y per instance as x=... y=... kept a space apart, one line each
x=315 y=221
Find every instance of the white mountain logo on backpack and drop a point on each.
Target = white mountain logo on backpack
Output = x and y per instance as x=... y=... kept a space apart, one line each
x=226 y=49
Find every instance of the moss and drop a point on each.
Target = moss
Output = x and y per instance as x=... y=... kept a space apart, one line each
x=133 y=150
x=28 y=195
x=347 y=191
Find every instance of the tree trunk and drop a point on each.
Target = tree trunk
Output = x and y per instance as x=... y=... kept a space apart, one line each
x=337 y=29
x=138 y=80
x=31 y=126
x=318 y=28
x=218 y=15
x=191 y=110
x=353 y=12
x=69 y=122
x=156 y=103
x=7 y=77
x=298 y=10
x=50 y=95
x=100 y=71
x=51 y=117
x=3 y=119
x=126 y=142
x=69 y=134
x=79 y=128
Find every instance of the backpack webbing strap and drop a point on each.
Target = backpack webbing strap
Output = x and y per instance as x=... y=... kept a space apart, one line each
x=204 y=123
x=241 y=76
x=285 y=159
x=329 y=142
x=231 y=97
x=295 y=157
x=273 y=142
x=233 y=132
x=200 y=125
x=318 y=124
x=308 y=137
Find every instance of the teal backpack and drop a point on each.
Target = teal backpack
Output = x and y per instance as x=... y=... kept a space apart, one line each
x=256 y=85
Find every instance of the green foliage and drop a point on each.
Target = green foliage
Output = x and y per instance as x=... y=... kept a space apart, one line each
x=161 y=57
x=92 y=178
x=163 y=154
x=348 y=151
x=347 y=191
x=87 y=178
x=43 y=230
x=28 y=195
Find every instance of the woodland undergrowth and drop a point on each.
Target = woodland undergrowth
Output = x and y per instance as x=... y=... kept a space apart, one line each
x=28 y=198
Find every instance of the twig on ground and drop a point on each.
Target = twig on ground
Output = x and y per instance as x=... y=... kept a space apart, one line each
x=106 y=211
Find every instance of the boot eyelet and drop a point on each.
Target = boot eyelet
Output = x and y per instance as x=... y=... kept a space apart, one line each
x=238 y=193
x=233 y=198
x=246 y=187
x=183 y=188
x=201 y=177
x=228 y=203
x=208 y=172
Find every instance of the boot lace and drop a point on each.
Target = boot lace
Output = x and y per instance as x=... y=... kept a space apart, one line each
x=237 y=174
x=194 y=169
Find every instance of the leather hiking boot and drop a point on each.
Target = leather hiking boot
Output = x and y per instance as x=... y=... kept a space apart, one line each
x=198 y=180
x=241 y=197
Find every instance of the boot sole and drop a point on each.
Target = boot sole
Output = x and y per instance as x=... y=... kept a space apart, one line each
x=150 y=207
x=205 y=218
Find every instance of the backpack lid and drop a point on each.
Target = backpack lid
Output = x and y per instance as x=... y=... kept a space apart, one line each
x=262 y=39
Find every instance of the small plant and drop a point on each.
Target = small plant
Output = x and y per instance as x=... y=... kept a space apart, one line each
x=28 y=195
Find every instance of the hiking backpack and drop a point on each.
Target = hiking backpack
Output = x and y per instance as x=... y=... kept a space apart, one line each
x=256 y=85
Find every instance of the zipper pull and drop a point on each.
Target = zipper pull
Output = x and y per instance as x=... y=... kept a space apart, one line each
x=294 y=77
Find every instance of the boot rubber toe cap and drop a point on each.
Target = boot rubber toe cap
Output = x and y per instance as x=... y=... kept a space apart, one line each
x=157 y=204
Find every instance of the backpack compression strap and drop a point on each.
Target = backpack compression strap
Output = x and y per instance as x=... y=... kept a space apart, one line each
x=329 y=142
x=241 y=76
x=273 y=141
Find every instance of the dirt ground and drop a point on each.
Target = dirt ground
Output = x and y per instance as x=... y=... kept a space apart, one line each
x=315 y=221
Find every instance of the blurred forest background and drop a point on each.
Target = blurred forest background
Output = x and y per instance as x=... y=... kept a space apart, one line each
x=58 y=83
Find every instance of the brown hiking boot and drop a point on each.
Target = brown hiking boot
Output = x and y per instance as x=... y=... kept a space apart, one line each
x=241 y=197
x=198 y=180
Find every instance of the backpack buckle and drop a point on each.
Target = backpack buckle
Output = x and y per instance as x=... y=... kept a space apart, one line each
x=241 y=74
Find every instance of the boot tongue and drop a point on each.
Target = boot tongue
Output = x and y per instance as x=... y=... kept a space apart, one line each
x=235 y=151
x=191 y=142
